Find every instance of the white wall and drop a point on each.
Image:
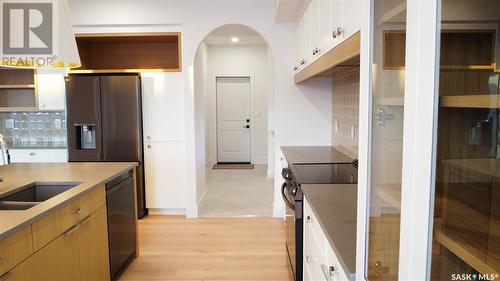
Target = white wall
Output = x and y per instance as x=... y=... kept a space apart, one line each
x=200 y=107
x=303 y=112
x=246 y=61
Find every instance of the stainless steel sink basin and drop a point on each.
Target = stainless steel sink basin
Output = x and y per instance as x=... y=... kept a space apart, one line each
x=33 y=194
x=13 y=205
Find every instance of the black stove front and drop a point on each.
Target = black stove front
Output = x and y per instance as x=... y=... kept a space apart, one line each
x=292 y=194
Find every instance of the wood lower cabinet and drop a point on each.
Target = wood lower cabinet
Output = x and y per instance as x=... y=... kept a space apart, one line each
x=15 y=249
x=22 y=272
x=80 y=253
x=59 y=260
x=93 y=247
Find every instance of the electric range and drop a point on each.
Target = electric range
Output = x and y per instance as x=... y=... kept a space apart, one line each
x=295 y=175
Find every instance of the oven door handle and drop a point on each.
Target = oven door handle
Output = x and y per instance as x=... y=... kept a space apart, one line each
x=288 y=203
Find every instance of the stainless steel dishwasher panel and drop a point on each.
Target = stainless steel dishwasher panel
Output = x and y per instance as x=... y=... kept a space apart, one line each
x=121 y=222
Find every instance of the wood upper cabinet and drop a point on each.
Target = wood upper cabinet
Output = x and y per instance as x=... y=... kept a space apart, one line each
x=17 y=89
x=123 y=52
x=93 y=247
x=27 y=89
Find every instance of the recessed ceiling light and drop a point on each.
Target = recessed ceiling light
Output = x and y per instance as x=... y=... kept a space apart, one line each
x=235 y=39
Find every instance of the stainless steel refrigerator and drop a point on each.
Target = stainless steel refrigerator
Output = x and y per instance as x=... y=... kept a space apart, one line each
x=104 y=117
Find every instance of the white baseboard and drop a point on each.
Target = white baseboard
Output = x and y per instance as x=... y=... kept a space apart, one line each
x=167 y=211
x=270 y=173
x=192 y=212
x=278 y=210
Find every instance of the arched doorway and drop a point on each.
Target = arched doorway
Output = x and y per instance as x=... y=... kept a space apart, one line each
x=233 y=95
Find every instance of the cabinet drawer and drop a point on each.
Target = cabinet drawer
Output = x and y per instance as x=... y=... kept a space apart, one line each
x=51 y=226
x=332 y=260
x=15 y=249
x=314 y=257
x=312 y=224
x=25 y=271
x=59 y=260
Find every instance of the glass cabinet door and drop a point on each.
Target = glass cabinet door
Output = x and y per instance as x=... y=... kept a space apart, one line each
x=388 y=83
x=466 y=221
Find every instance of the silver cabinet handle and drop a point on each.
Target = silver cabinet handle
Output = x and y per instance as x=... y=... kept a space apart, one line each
x=148 y=137
x=6 y=276
x=308 y=219
x=148 y=146
x=295 y=68
x=337 y=33
x=328 y=272
x=32 y=153
x=72 y=229
x=87 y=219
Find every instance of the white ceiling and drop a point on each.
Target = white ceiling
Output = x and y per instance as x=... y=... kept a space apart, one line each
x=223 y=35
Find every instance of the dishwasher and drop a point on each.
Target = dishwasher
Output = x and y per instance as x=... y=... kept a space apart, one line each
x=122 y=231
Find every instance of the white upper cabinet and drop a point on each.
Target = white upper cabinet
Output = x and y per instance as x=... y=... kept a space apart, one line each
x=303 y=42
x=163 y=106
x=314 y=27
x=51 y=90
x=351 y=19
x=331 y=18
x=324 y=25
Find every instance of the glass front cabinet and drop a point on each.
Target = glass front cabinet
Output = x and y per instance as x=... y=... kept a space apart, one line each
x=429 y=192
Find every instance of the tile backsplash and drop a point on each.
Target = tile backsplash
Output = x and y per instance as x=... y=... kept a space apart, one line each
x=34 y=129
x=345 y=112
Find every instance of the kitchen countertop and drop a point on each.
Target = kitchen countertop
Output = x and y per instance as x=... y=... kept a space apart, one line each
x=314 y=155
x=86 y=175
x=335 y=206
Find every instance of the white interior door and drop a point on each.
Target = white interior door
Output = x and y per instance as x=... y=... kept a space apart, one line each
x=233 y=120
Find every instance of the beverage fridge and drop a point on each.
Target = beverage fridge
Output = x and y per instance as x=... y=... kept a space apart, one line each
x=104 y=118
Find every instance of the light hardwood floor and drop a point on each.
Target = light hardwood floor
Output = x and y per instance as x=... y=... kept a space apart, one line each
x=175 y=248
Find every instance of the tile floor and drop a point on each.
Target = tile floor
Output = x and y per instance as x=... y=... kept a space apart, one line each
x=238 y=193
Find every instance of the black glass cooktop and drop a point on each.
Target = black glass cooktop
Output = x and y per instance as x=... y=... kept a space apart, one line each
x=325 y=173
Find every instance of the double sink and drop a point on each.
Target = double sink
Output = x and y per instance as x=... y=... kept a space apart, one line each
x=33 y=194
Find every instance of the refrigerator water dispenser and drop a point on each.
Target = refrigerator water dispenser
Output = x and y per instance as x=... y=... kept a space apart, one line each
x=85 y=136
